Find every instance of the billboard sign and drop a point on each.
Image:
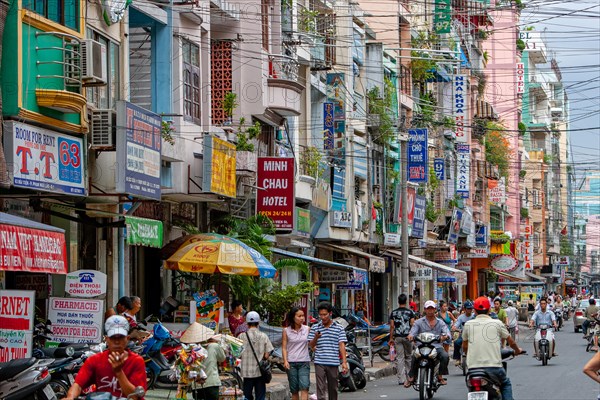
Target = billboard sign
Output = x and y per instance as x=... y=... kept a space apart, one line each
x=76 y=320
x=460 y=102
x=275 y=200
x=417 y=166
x=418 y=225
x=219 y=167
x=17 y=309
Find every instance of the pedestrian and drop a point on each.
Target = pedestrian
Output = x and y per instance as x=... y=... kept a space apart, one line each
x=257 y=346
x=449 y=319
x=411 y=304
x=592 y=368
x=530 y=307
x=401 y=320
x=512 y=314
x=236 y=317
x=328 y=340
x=124 y=304
x=296 y=358
x=500 y=311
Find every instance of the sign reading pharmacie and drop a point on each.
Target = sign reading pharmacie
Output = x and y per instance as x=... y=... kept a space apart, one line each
x=44 y=160
x=16 y=324
x=219 y=167
x=144 y=232
x=275 y=200
x=85 y=283
x=504 y=263
x=138 y=151
x=76 y=320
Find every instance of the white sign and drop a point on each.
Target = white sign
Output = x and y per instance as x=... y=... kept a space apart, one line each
x=464 y=265
x=333 y=276
x=85 y=283
x=520 y=78
x=478 y=252
x=17 y=308
x=424 y=274
x=497 y=191
x=45 y=160
x=341 y=219
x=463 y=170
x=376 y=264
x=76 y=320
x=504 y=263
x=563 y=261
x=461 y=105
x=527 y=248
x=391 y=239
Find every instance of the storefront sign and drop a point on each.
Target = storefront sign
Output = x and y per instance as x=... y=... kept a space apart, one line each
x=411 y=196
x=144 y=232
x=138 y=151
x=376 y=264
x=527 y=247
x=328 y=136
x=444 y=277
x=76 y=320
x=463 y=170
x=341 y=219
x=464 y=264
x=449 y=256
x=32 y=250
x=481 y=238
x=563 y=261
x=455 y=226
x=17 y=308
x=45 y=160
x=418 y=225
x=349 y=286
x=275 y=200
x=417 y=165
x=359 y=276
x=442 y=19
x=219 y=167
x=332 y=276
x=85 y=283
x=391 y=239
x=35 y=282
x=479 y=252
x=504 y=263
x=520 y=78
x=497 y=191
x=302 y=222
x=423 y=274
x=461 y=104
x=439 y=166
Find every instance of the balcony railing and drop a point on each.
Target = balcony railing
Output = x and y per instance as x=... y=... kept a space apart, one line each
x=283 y=67
x=63 y=73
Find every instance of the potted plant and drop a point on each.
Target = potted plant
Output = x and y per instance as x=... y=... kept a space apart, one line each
x=245 y=156
x=229 y=104
x=311 y=162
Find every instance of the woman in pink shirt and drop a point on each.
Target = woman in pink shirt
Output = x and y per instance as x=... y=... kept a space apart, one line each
x=296 y=358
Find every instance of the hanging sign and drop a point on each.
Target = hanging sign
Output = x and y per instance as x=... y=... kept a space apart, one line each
x=439 y=165
x=76 y=320
x=418 y=225
x=417 y=165
x=442 y=19
x=504 y=263
x=219 y=167
x=144 y=232
x=85 y=283
x=455 y=226
x=497 y=190
x=520 y=78
x=463 y=170
x=275 y=200
x=328 y=136
x=461 y=104
x=464 y=264
x=17 y=308
x=527 y=247
x=423 y=274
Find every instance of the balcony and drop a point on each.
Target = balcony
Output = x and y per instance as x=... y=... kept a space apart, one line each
x=534 y=46
x=284 y=91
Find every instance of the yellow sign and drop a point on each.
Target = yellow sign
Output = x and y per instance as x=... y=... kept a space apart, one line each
x=219 y=167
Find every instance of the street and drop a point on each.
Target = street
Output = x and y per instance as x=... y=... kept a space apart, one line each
x=561 y=379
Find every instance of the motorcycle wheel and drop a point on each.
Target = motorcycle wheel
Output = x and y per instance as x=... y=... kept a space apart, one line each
x=150 y=378
x=588 y=347
x=360 y=380
x=544 y=358
x=385 y=354
x=350 y=384
x=60 y=388
x=422 y=390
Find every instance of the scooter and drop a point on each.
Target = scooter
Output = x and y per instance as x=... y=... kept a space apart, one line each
x=425 y=354
x=158 y=367
x=26 y=378
x=544 y=352
x=592 y=333
x=481 y=385
x=380 y=345
x=354 y=379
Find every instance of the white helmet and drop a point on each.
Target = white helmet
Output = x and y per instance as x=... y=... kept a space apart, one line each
x=252 y=317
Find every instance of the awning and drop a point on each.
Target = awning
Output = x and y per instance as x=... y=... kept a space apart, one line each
x=534 y=276
x=457 y=273
x=317 y=261
x=376 y=264
x=30 y=246
x=509 y=277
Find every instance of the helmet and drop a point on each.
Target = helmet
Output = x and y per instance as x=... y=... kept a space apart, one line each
x=482 y=303
x=468 y=305
x=252 y=317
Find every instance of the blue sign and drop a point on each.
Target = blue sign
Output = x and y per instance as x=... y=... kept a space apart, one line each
x=418 y=229
x=455 y=226
x=328 y=136
x=446 y=279
x=349 y=286
x=439 y=165
x=417 y=165
x=138 y=151
x=481 y=236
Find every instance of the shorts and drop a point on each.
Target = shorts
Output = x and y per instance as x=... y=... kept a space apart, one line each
x=299 y=376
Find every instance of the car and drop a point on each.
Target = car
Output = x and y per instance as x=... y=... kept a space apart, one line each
x=579 y=316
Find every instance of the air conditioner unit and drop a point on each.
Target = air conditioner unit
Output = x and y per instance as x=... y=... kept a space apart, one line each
x=93 y=63
x=103 y=127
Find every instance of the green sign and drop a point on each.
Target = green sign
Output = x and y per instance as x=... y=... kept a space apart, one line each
x=144 y=232
x=303 y=221
x=442 y=21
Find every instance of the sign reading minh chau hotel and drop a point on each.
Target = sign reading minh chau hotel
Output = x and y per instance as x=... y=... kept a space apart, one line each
x=275 y=196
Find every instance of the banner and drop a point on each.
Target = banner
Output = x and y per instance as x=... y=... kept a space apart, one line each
x=463 y=170
x=328 y=136
x=481 y=236
x=17 y=309
x=527 y=247
x=85 y=283
x=497 y=191
x=275 y=177
x=439 y=165
x=411 y=196
x=460 y=102
x=455 y=226
x=418 y=225
x=417 y=166
x=144 y=232
x=76 y=320
x=442 y=20
x=45 y=160
x=219 y=167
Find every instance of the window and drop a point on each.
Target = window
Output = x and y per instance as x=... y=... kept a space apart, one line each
x=191 y=80
x=64 y=12
x=105 y=97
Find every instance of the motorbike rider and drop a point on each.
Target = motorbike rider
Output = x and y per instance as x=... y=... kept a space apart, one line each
x=482 y=342
x=115 y=370
x=458 y=326
x=590 y=314
x=543 y=317
x=430 y=323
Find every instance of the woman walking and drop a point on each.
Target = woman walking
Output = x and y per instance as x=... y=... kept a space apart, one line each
x=296 y=358
x=449 y=319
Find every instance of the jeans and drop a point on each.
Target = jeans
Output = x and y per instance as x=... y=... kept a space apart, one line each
x=442 y=358
x=403 y=353
x=258 y=386
x=499 y=374
x=457 y=347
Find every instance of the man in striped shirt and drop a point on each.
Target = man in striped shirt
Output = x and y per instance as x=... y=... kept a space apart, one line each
x=328 y=341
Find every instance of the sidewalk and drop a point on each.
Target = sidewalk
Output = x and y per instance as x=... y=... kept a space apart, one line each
x=278 y=389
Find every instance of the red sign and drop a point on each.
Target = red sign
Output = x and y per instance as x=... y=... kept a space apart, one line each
x=16 y=323
x=411 y=196
x=275 y=194
x=32 y=250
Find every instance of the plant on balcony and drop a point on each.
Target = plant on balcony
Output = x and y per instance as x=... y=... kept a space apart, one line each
x=456 y=202
x=307 y=20
x=425 y=117
x=522 y=174
x=246 y=134
x=497 y=149
x=422 y=70
x=522 y=128
x=521 y=45
x=311 y=162
x=524 y=213
x=547 y=159
x=499 y=238
x=382 y=107
x=166 y=131
x=431 y=213
x=229 y=104
x=486 y=57
x=566 y=246
x=447 y=122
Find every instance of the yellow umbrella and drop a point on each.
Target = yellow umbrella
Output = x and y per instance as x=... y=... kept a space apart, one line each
x=224 y=255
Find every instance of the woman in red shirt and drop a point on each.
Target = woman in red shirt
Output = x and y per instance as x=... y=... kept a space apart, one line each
x=235 y=318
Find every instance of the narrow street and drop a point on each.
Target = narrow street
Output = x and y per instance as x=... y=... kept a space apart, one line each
x=561 y=379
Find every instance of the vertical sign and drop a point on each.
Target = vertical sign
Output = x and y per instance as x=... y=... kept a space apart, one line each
x=418 y=226
x=520 y=78
x=463 y=169
x=276 y=198
x=442 y=21
x=328 y=136
x=527 y=247
x=336 y=90
x=417 y=166
x=455 y=226
x=411 y=195
x=497 y=190
x=16 y=323
x=439 y=165
x=481 y=239
x=461 y=104
x=219 y=167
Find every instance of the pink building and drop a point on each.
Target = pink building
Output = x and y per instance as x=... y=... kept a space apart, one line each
x=501 y=93
x=592 y=245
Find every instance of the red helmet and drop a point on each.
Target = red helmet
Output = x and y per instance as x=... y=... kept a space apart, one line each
x=481 y=303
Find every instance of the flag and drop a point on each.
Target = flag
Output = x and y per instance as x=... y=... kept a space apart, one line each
x=564 y=231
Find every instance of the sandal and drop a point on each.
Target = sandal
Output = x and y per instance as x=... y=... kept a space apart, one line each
x=408 y=383
x=442 y=382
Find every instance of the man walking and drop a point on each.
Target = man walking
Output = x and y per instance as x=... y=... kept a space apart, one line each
x=401 y=320
x=257 y=346
x=328 y=341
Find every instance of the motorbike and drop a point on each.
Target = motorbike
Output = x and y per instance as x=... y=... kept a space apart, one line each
x=544 y=344
x=380 y=345
x=592 y=333
x=276 y=359
x=426 y=382
x=158 y=367
x=26 y=378
x=481 y=385
x=354 y=379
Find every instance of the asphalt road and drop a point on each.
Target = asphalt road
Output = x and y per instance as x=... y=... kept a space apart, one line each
x=561 y=379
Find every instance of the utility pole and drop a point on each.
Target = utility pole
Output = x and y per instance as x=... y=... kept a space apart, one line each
x=404 y=209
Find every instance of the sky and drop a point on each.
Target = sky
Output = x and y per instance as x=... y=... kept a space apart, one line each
x=572 y=32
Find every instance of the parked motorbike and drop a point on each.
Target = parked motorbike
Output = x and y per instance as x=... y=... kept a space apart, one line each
x=544 y=344
x=481 y=385
x=355 y=378
x=158 y=367
x=380 y=345
x=276 y=359
x=426 y=357
x=26 y=378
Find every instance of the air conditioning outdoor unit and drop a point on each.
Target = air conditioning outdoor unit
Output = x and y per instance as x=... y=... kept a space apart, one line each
x=93 y=63
x=103 y=127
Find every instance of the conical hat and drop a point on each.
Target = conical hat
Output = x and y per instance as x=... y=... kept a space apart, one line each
x=196 y=333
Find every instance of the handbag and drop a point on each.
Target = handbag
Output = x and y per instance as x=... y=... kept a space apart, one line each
x=264 y=366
